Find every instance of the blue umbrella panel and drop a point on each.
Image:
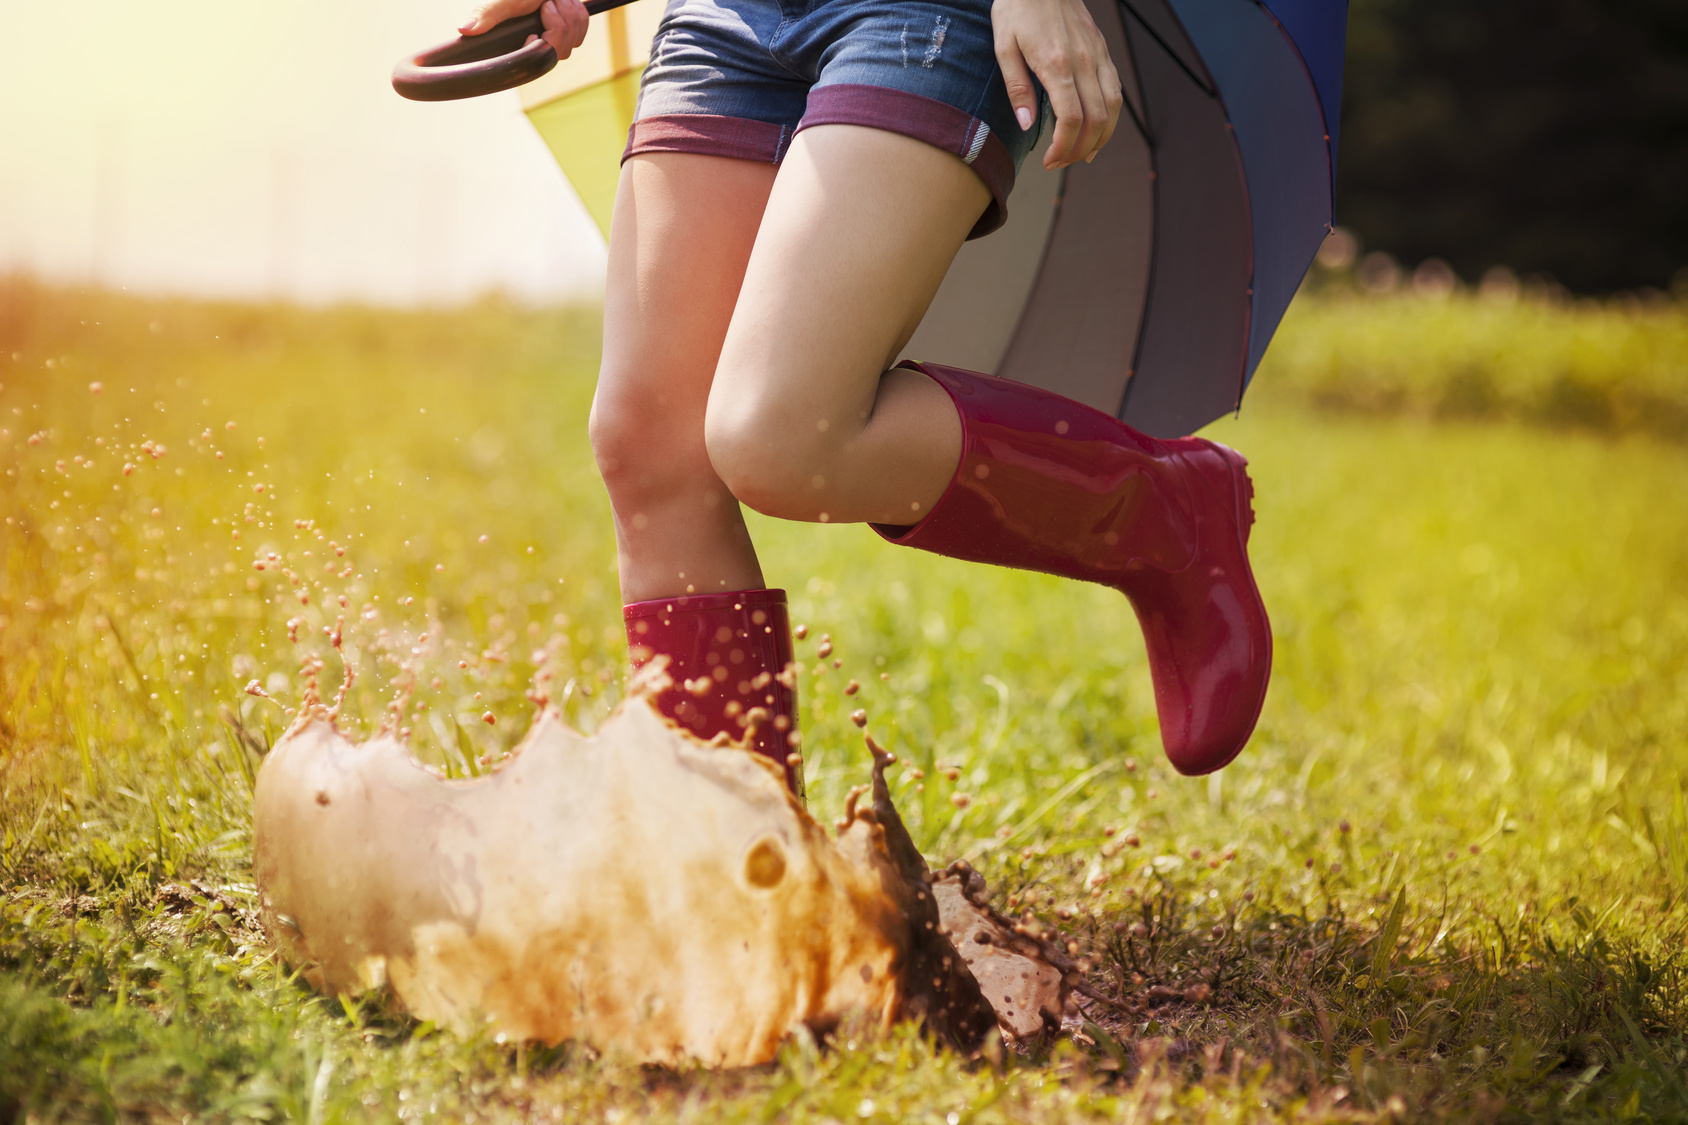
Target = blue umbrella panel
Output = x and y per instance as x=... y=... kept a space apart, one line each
x=1149 y=282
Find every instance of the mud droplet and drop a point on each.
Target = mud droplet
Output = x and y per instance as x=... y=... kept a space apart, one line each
x=765 y=865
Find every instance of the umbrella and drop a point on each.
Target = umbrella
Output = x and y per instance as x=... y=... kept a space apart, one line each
x=583 y=110
x=1146 y=283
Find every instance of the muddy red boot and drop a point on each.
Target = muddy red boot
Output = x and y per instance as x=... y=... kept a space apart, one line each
x=1051 y=485
x=728 y=656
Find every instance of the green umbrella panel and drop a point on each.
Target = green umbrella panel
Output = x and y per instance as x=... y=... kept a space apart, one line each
x=584 y=107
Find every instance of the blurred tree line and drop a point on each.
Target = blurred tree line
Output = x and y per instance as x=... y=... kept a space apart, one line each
x=1549 y=136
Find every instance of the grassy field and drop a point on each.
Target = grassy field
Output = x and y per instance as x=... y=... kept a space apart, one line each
x=1448 y=880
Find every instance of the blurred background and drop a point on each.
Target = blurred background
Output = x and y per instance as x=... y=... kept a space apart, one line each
x=253 y=150
x=1546 y=136
x=246 y=150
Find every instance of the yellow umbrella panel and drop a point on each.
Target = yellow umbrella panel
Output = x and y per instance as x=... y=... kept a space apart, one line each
x=584 y=108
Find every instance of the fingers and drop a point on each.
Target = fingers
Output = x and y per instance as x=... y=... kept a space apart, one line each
x=1087 y=100
x=1058 y=42
x=494 y=12
x=1022 y=93
x=565 y=24
x=1064 y=99
x=1095 y=124
x=565 y=21
x=1113 y=101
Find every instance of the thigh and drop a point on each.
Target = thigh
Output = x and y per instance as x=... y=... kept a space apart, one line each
x=681 y=238
x=926 y=69
x=859 y=230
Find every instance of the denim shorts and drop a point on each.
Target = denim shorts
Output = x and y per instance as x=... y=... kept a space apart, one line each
x=740 y=78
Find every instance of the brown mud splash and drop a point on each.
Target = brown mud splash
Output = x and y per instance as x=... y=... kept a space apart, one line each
x=638 y=890
x=1021 y=969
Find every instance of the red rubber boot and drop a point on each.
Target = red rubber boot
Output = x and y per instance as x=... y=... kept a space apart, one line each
x=1048 y=484
x=728 y=655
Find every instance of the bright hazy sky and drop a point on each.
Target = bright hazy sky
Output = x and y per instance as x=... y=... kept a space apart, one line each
x=243 y=149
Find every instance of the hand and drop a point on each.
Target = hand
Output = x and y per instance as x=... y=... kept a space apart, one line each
x=1059 y=42
x=564 y=20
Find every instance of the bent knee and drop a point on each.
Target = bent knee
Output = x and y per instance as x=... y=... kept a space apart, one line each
x=766 y=463
x=612 y=428
x=641 y=446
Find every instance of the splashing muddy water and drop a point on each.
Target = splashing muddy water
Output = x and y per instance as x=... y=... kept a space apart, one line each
x=638 y=890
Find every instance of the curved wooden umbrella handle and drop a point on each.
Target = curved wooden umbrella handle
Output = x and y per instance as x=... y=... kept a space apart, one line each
x=472 y=65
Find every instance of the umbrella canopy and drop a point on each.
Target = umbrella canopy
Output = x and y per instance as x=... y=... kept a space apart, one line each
x=584 y=108
x=1146 y=283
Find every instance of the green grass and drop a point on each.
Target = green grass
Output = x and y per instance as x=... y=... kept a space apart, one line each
x=1618 y=367
x=1446 y=881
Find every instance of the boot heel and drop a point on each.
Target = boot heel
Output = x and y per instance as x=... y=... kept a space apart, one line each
x=1245 y=495
x=1244 y=485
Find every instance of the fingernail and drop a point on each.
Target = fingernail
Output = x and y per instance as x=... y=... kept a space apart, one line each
x=1024 y=117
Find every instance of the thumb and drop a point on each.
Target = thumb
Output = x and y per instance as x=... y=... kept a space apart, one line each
x=490 y=15
x=1022 y=94
x=475 y=24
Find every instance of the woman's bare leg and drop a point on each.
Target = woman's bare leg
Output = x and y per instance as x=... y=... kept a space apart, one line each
x=683 y=231
x=804 y=420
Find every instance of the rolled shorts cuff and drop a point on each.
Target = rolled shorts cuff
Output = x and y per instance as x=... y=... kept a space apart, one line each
x=709 y=134
x=876 y=107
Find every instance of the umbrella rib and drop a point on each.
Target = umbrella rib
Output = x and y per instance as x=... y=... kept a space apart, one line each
x=1136 y=361
x=1142 y=126
x=1132 y=362
x=1156 y=36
